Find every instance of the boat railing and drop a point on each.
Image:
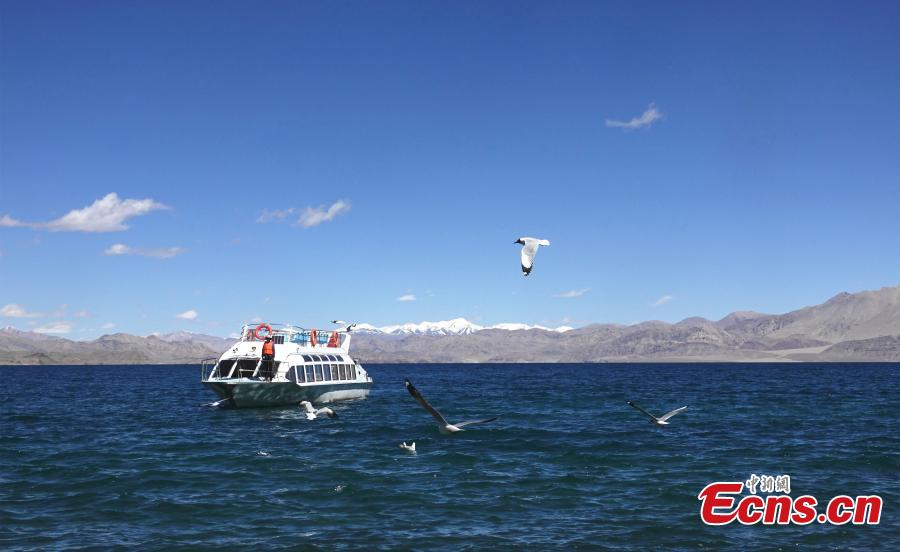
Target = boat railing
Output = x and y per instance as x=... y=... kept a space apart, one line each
x=236 y=368
x=306 y=337
x=207 y=365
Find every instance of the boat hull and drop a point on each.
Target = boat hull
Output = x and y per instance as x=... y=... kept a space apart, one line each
x=256 y=394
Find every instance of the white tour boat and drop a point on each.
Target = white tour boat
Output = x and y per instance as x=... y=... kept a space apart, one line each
x=308 y=365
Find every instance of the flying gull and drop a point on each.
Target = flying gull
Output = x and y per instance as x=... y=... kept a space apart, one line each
x=342 y=323
x=312 y=413
x=220 y=404
x=529 y=250
x=444 y=426
x=661 y=421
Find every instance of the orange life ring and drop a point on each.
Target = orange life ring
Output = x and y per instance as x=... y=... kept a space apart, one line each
x=262 y=326
x=312 y=338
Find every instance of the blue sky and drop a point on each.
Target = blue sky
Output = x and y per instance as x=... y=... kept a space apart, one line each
x=763 y=174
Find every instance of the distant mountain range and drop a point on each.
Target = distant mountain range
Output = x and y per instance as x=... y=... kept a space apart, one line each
x=457 y=326
x=862 y=326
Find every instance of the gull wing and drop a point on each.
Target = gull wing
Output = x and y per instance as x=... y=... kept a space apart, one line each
x=421 y=400
x=529 y=250
x=668 y=415
x=308 y=407
x=473 y=422
x=328 y=412
x=637 y=406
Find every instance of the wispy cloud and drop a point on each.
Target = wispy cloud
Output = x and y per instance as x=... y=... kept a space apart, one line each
x=188 y=315
x=55 y=328
x=661 y=301
x=647 y=118
x=158 y=253
x=407 y=297
x=107 y=214
x=10 y=222
x=13 y=310
x=108 y=326
x=573 y=293
x=314 y=216
x=275 y=215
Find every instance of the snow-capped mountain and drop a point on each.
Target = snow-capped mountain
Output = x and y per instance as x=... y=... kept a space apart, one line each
x=457 y=326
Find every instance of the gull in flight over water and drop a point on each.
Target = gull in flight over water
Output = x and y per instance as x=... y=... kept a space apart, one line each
x=408 y=448
x=444 y=426
x=529 y=250
x=312 y=413
x=219 y=404
x=661 y=421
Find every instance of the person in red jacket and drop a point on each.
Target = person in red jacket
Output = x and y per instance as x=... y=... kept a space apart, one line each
x=267 y=369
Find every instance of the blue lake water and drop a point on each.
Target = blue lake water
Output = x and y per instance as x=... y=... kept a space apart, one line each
x=123 y=456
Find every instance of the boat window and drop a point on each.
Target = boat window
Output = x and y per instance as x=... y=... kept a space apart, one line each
x=310 y=376
x=352 y=371
x=334 y=358
x=342 y=375
x=316 y=358
x=246 y=367
x=278 y=340
x=339 y=358
x=224 y=368
x=296 y=374
x=318 y=372
x=326 y=369
x=307 y=358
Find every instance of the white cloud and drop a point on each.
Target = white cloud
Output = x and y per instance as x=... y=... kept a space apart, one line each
x=573 y=293
x=107 y=214
x=18 y=311
x=188 y=315
x=13 y=310
x=10 y=222
x=118 y=249
x=314 y=216
x=157 y=253
x=55 y=328
x=662 y=301
x=407 y=297
x=647 y=118
x=275 y=215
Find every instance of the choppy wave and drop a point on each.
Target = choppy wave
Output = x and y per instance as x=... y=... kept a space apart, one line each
x=124 y=457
